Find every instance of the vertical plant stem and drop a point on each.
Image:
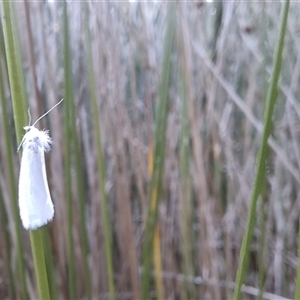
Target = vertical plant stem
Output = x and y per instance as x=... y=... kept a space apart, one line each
x=7 y=246
x=186 y=205
x=159 y=151
x=68 y=155
x=100 y=161
x=12 y=179
x=19 y=103
x=50 y=265
x=185 y=157
x=156 y=243
x=14 y=69
x=262 y=242
x=157 y=256
x=37 y=247
x=262 y=155
x=82 y=210
x=262 y=272
x=79 y=181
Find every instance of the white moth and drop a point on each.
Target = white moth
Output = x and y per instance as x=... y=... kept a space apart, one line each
x=35 y=204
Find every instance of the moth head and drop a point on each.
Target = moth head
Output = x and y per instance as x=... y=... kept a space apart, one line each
x=36 y=138
x=40 y=137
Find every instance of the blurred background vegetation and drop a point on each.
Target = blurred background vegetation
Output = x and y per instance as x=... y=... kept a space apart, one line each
x=154 y=149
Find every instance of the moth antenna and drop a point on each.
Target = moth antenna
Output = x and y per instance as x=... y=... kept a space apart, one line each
x=48 y=111
x=29 y=116
x=21 y=143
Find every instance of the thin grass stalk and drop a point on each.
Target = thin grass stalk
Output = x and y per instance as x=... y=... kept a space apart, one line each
x=36 y=239
x=82 y=208
x=68 y=155
x=159 y=151
x=7 y=248
x=80 y=187
x=80 y=192
x=186 y=204
x=156 y=243
x=15 y=71
x=19 y=102
x=36 y=109
x=50 y=265
x=11 y=174
x=189 y=128
x=100 y=161
x=262 y=155
x=19 y=110
x=262 y=272
x=185 y=178
x=40 y=238
x=58 y=240
x=157 y=262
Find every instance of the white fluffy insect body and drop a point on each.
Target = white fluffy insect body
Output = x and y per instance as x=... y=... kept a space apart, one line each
x=35 y=204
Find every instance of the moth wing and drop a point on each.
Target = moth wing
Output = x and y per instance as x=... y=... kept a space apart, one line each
x=35 y=204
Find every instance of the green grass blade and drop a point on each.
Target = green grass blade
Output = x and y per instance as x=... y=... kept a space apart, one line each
x=19 y=103
x=186 y=202
x=37 y=247
x=50 y=265
x=82 y=219
x=185 y=178
x=12 y=179
x=82 y=206
x=159 y=151
x=262 y=155
x=7 y=248
x=77 y=154
x=14 y=69
x=18 y=94
x=101 y=166
x=262 y=272
x=68 y=102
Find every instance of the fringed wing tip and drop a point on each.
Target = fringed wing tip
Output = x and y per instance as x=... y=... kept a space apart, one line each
x=36 y=223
